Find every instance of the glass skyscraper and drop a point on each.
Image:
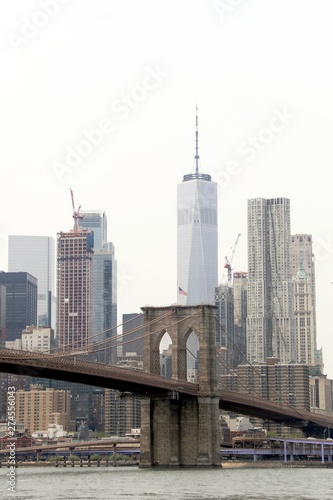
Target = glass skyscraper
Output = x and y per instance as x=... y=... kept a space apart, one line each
x=95 y=220
x=21 y=302
x=197 y=261
x=36 y=255
x=104 y=287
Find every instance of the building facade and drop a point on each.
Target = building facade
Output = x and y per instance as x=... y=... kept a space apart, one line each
x=74 y=289
x=197 y=241
x=225 y=331
x=279 y=382
x=270 y=329
x=240 y=312
x=321 y=394
x=38 y=408
x=95 y=220
x=104 y=287
x=132 y=335
x=21 y=302
x=122 y=414
x=39 y=339
x=303 y=275
x=104 y=293
x=36 y=256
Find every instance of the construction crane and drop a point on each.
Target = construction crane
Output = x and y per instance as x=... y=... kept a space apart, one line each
x=76 y=213
x=228 y=262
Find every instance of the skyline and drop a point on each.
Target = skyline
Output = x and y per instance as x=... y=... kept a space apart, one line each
x=265 y=110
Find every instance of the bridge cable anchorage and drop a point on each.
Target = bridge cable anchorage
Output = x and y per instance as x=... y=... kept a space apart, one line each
x=255 y=369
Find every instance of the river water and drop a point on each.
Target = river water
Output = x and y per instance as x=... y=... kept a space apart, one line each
x=121 y=483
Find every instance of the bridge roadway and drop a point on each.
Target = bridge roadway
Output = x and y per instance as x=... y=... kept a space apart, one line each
x=145 y=384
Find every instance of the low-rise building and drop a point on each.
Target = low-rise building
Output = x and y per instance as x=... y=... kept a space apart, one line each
x=38 y=408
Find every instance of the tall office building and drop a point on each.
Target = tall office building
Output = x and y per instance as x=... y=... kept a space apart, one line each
x=95 y=220
x=104 y=315
x=197 y=269
x=270 y=298
x=74 y=288
x=21 y=302
x=240 y=311
x=36 y=256
x=303 y=275
x=104 y=289
x=133 y=334
x=225 y=332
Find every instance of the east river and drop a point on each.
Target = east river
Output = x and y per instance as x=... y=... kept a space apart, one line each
x=42 y=483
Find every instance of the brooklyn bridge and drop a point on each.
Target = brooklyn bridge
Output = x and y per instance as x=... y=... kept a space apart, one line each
x=179 y=424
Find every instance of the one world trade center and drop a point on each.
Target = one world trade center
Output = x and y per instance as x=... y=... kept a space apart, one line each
x=197 y=240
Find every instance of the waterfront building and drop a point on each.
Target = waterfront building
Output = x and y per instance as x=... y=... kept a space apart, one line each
x=36 y=256
x=122 y=414
x=197 y=241
x=270 y=329
x=38 y=408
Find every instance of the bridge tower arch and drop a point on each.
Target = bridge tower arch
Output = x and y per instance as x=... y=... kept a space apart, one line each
x=179 y=430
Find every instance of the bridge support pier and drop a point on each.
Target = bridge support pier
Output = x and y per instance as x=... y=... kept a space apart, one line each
x=180 y=433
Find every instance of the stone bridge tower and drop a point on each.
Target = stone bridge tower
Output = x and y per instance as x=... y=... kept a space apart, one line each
x=181 y=431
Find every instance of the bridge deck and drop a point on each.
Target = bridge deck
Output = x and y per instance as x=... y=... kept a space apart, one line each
x=90 y=373
x=146 y=384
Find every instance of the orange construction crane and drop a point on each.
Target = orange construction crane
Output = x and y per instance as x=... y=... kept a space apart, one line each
x=76 y=213
x=228 y=263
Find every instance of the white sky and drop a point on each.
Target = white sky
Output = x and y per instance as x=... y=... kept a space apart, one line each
x=239 y=61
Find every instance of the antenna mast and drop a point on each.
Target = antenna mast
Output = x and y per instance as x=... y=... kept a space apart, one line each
x=196 y=142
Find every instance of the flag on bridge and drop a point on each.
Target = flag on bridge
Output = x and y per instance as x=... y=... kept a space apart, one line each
x=181 y=291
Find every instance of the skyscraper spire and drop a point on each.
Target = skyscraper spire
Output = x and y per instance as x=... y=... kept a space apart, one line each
x=196 y=174
x=196 y=142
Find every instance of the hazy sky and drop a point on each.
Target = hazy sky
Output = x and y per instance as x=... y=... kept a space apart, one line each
x=99 y=96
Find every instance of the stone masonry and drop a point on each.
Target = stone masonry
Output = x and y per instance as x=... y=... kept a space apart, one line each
x=181 y=431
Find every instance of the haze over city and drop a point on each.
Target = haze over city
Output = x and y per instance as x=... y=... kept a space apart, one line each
x=100 y=97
